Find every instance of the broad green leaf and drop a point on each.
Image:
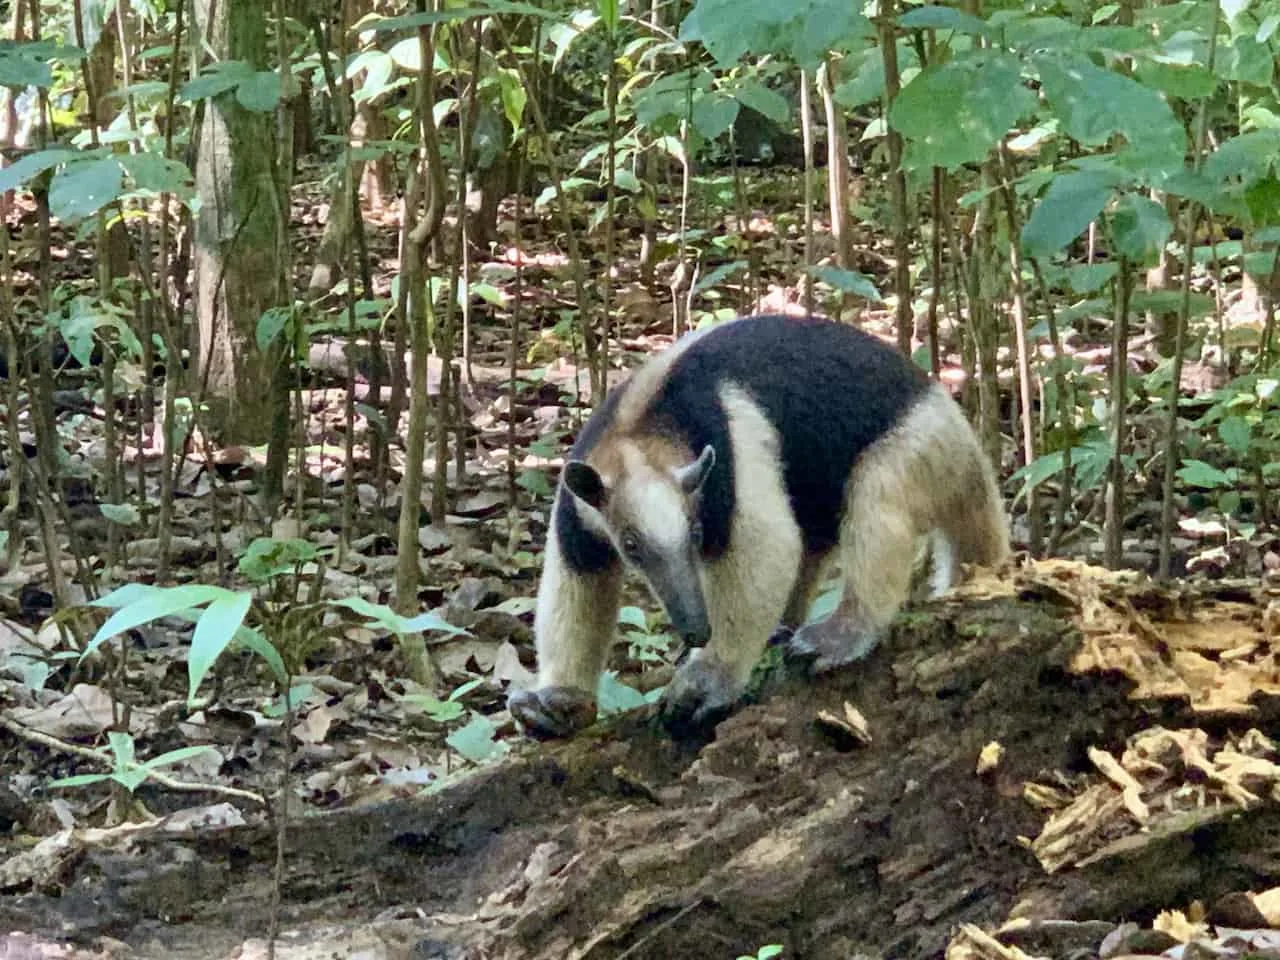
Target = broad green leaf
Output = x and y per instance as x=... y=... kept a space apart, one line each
x=1039 y=470
x=803 y=30
x=712 y=277
x=1246 y=155
x=178 y=756
x=154 y=605
x=633 y=617
x=18 y=71
x=763 y=100
x=82 y=189
x=125 y=595
x=1263 y=200
x=514 y=96
x=1189 y=82
x=125 y=514
x=614 y=696
x=1140 y=227
x=475 y=740
x=1235 y=432
x=609 y=15
x=80 y=780
x=220 y=78
x=956 y=113
x=849 y=281
x=1245 y=60
x=32 y=165
x=151 y=171
x=214 y=632
x=1067 y=208
x=270 y=325
x=1094 y=104
x=714 y=114
x=430 y=621
x=1085 y=278
x=1197 y=473
x=252 y=639
x=260 y=92
x=943 y=18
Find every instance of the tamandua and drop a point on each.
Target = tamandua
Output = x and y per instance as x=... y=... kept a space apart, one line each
x=728 y=471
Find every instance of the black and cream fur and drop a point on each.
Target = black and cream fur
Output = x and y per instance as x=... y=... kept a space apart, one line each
x=729 y=471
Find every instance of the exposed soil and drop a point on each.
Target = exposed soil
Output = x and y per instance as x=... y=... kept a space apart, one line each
x=621 y=843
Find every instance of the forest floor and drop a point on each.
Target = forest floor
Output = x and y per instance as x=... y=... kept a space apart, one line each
x=1053 y=760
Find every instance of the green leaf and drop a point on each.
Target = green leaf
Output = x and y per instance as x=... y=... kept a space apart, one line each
x=214 y=632
x=125 y=514
x=82 y=189
x=609 y=14
x=1197 y=473
x=178 y=756
x=270 y=325
x=714 y=114
x=802 y=30
x=1245 y=60
x=764 y=100
x=614 y=696
x=475 y=740
x=1039 y=470
x=957 y=112
x=943 y=18
x=1086 y=278
x=19 y=70
x=1246 y=155
x=1094 y=104
x=1140 y=227
x=251 y=639
x=724 y=270
x=1236 y=433
x=633 y=617
x=157 y=603
x=32 y=165
x=1189 y=82
x=1071 y=203
x=849 y=281
x=260 y=93
x=154 y=173
x=220 y=78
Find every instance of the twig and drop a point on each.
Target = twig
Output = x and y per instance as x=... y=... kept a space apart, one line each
x=53 y=743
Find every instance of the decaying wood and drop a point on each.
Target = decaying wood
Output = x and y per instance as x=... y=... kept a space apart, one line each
x=886 y=811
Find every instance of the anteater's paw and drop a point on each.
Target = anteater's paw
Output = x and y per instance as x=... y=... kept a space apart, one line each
x=701 y=694
x=552 y=712
x=830 y=644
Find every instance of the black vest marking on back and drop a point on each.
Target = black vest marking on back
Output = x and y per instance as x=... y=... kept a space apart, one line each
x=829 y=390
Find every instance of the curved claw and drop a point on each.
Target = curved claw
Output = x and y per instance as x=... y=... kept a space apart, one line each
x=829 y=644
x=552 y=712
x=700 y=695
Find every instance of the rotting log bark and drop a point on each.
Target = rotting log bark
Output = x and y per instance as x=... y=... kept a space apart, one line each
x=621 y=842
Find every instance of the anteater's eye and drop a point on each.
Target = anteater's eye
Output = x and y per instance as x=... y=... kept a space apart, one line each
x=630 y=543
x=695 y=533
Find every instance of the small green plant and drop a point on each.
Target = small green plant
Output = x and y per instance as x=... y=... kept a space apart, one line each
x=644 y=642
x=764 y=953
x=126 y=770
x=437 y=710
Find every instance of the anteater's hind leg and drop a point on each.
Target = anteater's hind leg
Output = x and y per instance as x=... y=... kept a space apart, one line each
x=929 y=477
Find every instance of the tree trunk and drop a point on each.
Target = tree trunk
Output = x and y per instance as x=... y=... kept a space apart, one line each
x=237 y=232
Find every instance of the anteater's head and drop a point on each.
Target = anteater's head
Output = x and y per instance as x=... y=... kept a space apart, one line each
x=645 y=498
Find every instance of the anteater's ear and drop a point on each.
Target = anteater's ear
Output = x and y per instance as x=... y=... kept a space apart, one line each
x=583 y=482
x=692 y=477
